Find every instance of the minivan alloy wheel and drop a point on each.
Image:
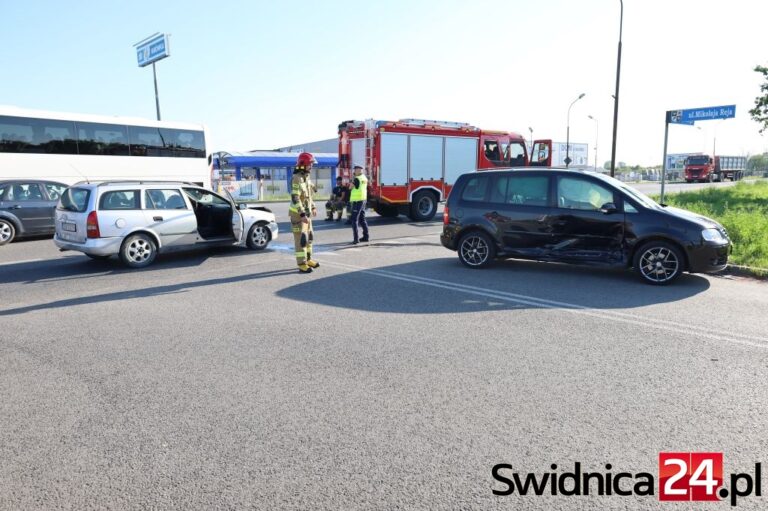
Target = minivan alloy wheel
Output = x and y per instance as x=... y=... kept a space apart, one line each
x=659 y=264
x=475 y=250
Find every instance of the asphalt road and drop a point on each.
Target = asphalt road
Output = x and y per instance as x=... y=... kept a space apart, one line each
x=655 y=188
x=390 y=378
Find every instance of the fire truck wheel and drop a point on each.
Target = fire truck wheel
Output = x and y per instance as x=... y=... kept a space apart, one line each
x=386 y=211
x=423 y=207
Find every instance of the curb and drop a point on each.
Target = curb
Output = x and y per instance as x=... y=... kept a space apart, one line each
x=747 y=271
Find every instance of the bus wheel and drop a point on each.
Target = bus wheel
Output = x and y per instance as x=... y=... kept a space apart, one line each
x=424 y=206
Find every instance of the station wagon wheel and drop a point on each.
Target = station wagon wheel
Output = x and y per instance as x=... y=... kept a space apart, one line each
x=659 y=262
x=258 y=237
x=7 y=232
x=138 y=251
x=476 y=250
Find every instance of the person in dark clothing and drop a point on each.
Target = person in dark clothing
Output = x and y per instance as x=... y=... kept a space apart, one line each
x=358 y=196
x=335 y=203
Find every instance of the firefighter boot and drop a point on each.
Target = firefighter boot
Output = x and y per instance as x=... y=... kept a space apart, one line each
x=311 y=262
x=303 y=268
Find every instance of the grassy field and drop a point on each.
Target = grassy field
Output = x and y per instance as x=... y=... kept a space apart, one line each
x=743 y=211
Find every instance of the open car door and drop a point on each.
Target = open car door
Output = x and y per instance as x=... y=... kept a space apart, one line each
x=237 y=217
x=541 y=153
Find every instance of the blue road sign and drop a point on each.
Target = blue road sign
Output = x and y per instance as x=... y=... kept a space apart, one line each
x=153 y=50
x=709 y=113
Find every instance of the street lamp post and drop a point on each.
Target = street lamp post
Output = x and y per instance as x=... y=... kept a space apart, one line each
x=531 y=130
x=596 y=135
x=568 y=132
x=616 y=96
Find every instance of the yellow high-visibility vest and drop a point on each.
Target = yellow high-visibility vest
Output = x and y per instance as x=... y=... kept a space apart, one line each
x=360 y=193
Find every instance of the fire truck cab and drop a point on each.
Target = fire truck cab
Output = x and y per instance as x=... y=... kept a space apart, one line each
x=411 y=164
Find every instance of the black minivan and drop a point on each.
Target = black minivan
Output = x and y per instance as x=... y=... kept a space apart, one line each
x=577 y=217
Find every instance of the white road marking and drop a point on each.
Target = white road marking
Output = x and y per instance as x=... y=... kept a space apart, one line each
x=621 y=317
x=25 y=261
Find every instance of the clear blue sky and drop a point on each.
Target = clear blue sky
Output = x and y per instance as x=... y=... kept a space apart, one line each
x=268 y=74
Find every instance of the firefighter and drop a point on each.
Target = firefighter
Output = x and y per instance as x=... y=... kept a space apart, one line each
x=299 y=211
x=336 y=203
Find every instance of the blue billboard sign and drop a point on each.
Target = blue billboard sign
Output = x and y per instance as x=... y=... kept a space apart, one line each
x=709 y=113
x=152 y=49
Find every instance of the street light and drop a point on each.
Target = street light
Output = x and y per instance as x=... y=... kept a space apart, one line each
x=714 y=139
x=616 y=96
x=568 y=132
x=531 y=130
x=596 y=134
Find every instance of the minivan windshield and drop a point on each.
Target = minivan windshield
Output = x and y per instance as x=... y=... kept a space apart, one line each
x=75 y=199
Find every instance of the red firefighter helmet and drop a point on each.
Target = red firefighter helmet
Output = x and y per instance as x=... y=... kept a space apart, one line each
x=305 y=159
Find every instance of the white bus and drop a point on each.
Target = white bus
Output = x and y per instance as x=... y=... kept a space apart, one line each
x=78 y=147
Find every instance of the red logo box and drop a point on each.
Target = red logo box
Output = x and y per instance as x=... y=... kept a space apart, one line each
x=690 y=476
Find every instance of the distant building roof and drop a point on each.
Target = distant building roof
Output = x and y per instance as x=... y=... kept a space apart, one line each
x=330 y=145
x=273 y=158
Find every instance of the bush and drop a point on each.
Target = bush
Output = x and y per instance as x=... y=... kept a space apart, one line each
x=743 y=211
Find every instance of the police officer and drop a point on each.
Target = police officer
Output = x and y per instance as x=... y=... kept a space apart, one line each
x=336 y=203
x=299 y=211
x=347 y=193
x=357 y=197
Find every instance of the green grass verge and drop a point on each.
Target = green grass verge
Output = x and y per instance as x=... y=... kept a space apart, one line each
x=743 y=211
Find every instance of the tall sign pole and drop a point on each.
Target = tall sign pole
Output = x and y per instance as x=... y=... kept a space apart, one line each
x=616 y=96
x=149 y=51
x=157 y=96
x=689 y=117
x=664 y=164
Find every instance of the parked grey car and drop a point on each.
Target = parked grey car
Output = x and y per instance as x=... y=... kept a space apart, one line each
x=27 y=208
x=138 y=219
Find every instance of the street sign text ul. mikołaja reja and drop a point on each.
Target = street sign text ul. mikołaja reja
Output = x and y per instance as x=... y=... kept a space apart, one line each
x=709 y=113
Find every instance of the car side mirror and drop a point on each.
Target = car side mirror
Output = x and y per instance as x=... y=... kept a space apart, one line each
x=242 y=205
x=608 y=208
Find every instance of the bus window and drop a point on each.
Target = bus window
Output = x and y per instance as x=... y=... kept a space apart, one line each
x=94 y=138
x=29 y=135
x=145 y=141
x=183 y=143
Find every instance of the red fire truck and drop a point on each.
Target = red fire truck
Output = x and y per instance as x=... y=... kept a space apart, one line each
x=702 y=167
x=411 y=164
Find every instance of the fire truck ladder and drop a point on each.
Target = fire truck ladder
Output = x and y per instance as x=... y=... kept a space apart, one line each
x=430 y=122
x=370 y=129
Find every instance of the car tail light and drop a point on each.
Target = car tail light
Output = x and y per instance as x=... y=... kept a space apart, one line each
x=446 y=215
x=92 y=225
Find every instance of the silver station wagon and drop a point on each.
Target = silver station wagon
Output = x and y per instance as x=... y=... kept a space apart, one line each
x=138 y=219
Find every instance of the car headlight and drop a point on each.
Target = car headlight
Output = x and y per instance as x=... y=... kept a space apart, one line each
x=712 y=235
